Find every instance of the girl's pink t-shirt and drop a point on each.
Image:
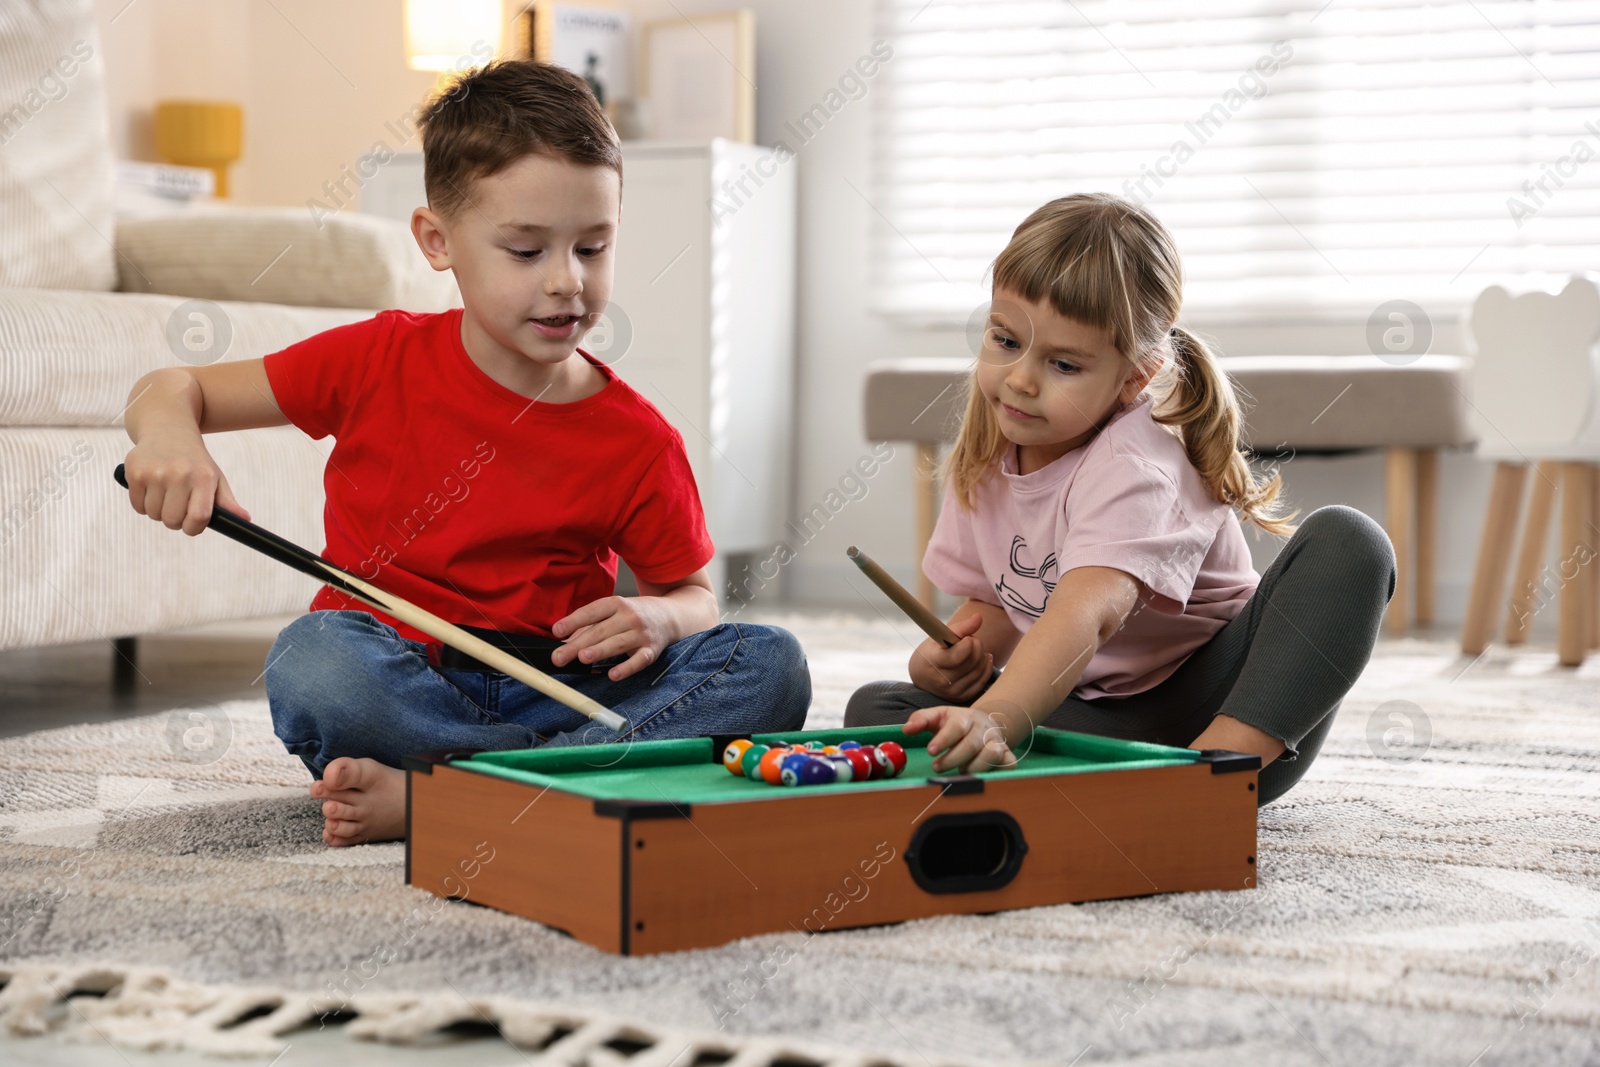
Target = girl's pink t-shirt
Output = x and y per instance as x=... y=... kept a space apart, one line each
x=1129 y=499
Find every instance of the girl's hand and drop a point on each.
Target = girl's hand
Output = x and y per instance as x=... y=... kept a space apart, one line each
x=959 y=672
x=967 y=740
x=614 y=626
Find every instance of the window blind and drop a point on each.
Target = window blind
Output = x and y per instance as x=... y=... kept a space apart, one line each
x=1309 y=159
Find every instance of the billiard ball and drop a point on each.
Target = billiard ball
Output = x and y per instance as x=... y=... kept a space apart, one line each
x=860 y=764
x=751 y=761
x=815 y=771
x=830 y=750
x=793 y=768
x=874 y=768
x=847 y=745
x=772 y=765
x=733 y=754
x=843 y=770
x=892 y=755
x=885 y=765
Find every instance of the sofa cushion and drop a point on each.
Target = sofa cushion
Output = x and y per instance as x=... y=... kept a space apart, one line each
x=55 y=153
x=281 y=256
x=69 y=359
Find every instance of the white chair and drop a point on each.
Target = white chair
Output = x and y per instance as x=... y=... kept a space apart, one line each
x=1536 y=399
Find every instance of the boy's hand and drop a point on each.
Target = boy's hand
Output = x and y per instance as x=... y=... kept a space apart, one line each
x=174 y=480
x=967 y=740
x=959 y=672
x=614 y=626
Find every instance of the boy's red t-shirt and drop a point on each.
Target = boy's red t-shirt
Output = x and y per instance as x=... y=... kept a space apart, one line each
x=474 y=502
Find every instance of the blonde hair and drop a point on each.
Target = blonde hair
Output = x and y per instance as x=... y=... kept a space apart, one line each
x=1108 y=264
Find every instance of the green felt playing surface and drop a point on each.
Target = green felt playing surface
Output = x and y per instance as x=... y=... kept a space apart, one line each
x=682 y=771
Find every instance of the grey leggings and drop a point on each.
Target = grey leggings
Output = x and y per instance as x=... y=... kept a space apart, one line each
x=1282 y=665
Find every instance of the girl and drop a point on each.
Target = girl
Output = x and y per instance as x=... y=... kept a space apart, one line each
x=1088 y=522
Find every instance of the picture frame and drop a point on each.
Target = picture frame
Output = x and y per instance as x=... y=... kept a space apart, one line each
x=699 y=77
x=590 y=39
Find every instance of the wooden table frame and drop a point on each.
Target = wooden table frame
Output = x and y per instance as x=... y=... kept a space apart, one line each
x=637 y=877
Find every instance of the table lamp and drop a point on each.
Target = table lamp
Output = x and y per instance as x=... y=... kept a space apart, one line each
x=200 y=133
x=451 y=35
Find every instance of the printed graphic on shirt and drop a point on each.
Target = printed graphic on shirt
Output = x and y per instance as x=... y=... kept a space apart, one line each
x=1027 y=583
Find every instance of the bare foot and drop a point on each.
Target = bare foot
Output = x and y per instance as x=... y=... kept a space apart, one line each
x=363 y=801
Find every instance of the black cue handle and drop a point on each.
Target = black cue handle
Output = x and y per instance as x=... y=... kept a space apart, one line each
x=269 y=544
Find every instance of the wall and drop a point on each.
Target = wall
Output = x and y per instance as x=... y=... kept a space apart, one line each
x=320 y=83
x=305 y=119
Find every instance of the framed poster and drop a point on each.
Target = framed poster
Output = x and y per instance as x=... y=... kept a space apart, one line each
x=700 y=77
x=591 y=40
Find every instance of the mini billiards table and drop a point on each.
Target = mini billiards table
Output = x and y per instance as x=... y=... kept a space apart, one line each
x=654 y=846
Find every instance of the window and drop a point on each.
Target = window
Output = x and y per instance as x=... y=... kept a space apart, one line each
x=1309 y=159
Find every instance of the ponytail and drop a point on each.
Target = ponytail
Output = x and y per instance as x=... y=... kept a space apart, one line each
x=1201 y=403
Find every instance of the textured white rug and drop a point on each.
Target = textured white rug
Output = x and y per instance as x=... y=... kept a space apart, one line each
x=1430 y=894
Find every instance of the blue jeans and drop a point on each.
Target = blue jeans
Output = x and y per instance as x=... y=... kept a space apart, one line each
x=341 y=683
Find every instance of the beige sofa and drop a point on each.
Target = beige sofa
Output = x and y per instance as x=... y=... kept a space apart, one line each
x=87 y=305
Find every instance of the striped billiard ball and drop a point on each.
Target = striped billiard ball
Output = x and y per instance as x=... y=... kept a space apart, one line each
x=860 y=764
x=892 y=756
x=750 y=762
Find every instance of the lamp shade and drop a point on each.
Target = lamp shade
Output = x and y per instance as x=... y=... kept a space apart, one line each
x=446 y=34
x=200 y=133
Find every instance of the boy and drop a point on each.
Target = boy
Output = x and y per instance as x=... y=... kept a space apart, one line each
x=486 y=469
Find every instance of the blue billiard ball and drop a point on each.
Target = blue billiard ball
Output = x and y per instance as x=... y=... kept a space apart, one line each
x=791 y=768
x=849 y=744
x=817 y=772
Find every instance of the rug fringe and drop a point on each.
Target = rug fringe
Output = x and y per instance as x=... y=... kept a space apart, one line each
x=149 y=1011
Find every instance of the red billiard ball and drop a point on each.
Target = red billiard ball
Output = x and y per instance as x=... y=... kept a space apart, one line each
x=860 y=764
x=892 y=756
x=874 y=768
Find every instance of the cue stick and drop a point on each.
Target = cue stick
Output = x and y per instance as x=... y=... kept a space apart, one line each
x=290 y=554
x=930 y=623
